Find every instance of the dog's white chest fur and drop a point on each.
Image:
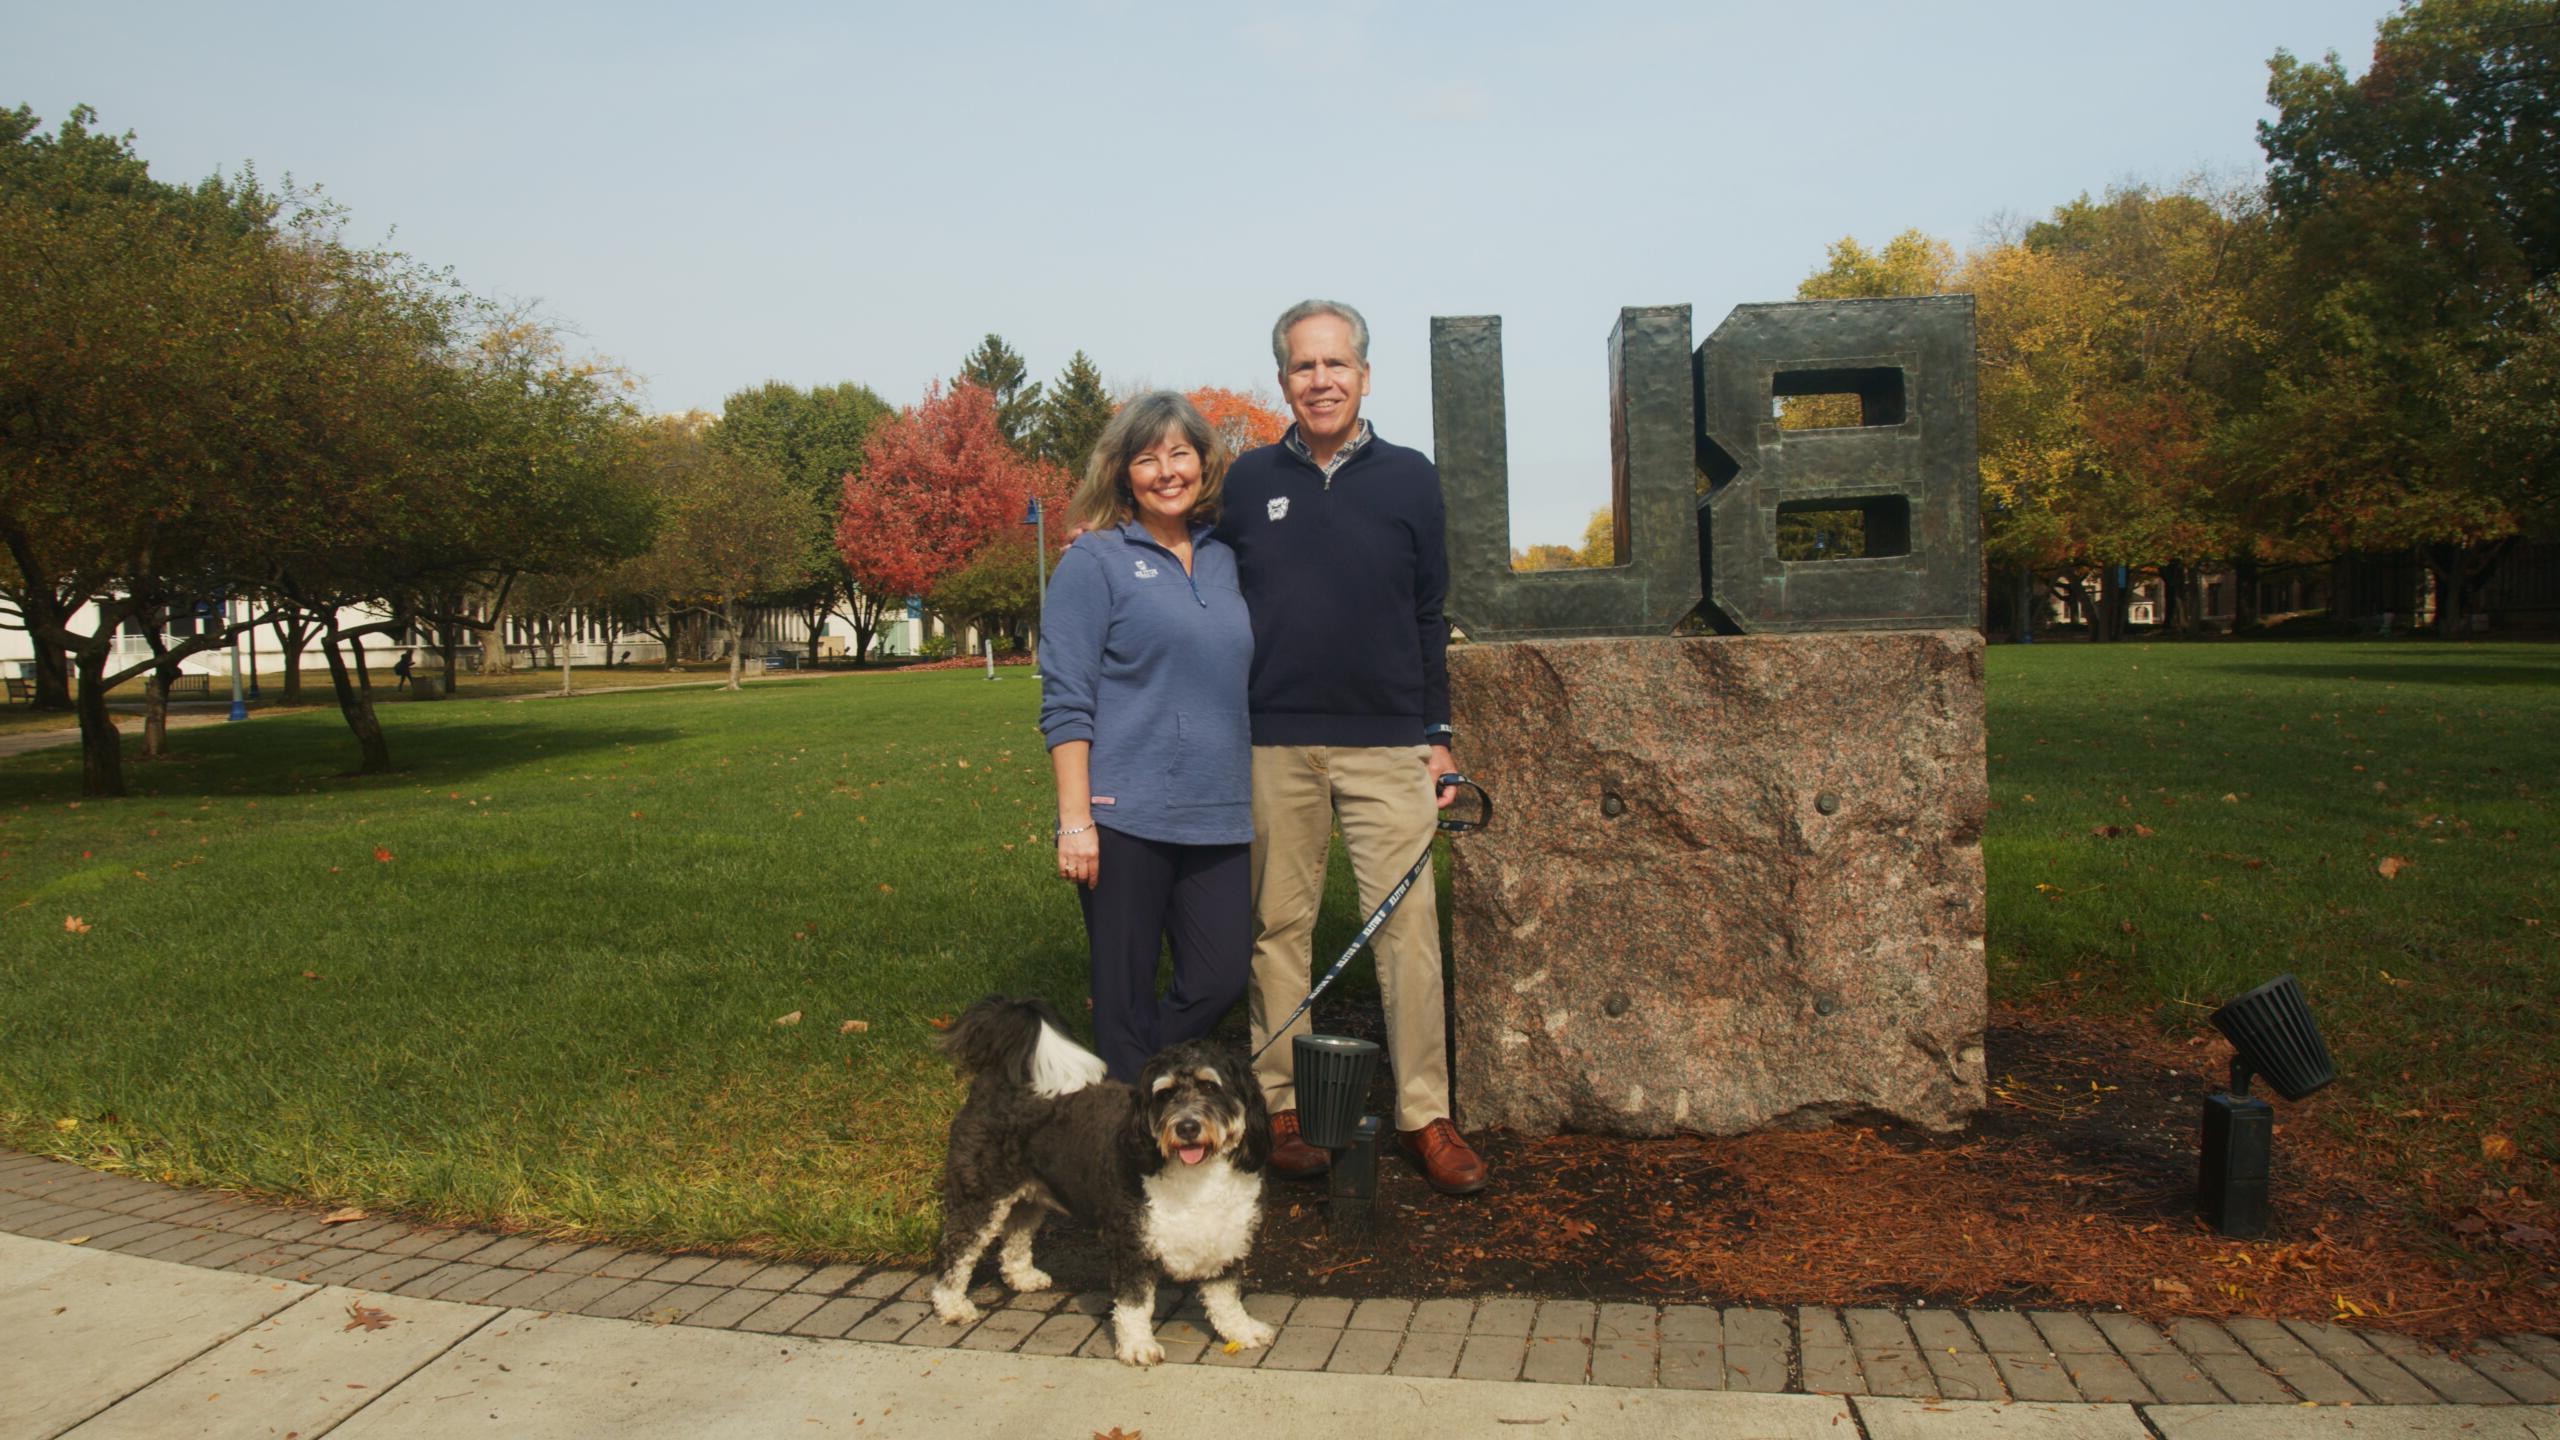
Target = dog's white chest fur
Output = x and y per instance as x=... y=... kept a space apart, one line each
x=1200 y=1219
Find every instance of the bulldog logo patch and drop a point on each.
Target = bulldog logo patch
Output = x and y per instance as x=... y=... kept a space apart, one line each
x=1278 y=509
x=1147 y=571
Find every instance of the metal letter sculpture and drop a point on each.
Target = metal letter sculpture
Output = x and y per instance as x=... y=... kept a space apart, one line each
x=1701 y=473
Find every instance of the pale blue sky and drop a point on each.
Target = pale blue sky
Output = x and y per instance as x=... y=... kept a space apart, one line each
x=834 y=192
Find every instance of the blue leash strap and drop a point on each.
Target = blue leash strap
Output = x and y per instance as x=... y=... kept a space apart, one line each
x=1451 y=824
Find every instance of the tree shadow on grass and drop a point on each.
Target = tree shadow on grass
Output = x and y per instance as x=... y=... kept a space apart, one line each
x=269 y=758
x=2505 y=672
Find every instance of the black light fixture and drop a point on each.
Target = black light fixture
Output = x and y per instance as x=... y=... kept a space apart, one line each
x=2273 y=1037
x=1333 y=1080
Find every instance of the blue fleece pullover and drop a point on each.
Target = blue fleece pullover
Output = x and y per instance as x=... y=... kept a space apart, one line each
x=1150 y=665
x=1345 y=579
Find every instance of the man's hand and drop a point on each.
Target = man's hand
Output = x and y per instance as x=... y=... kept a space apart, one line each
x=1440 y=762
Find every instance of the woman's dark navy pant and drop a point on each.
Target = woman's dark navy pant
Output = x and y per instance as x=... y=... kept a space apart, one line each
x=1199 y=897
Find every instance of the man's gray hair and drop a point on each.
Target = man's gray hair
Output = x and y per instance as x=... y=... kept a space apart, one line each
x=1308 y=310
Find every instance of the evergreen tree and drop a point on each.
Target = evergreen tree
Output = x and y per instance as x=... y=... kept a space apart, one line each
x=1073 y=414
x=996 y=368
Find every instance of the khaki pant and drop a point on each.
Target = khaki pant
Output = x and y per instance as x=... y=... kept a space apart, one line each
x=1383 y=799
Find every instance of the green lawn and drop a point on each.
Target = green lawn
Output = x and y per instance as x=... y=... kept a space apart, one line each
x=2277 y=783
x=553 y=1004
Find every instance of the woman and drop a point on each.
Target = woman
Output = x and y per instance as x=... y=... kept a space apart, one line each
x=1144 y=654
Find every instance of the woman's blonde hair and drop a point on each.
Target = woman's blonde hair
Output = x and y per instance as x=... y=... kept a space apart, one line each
x=1103 y=500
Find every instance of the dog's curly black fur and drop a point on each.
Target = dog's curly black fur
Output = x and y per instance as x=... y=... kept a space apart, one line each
x=1169 y=1171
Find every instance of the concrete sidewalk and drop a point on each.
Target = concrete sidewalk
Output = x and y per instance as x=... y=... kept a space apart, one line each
x=97 y=1345
x=1918 y=1352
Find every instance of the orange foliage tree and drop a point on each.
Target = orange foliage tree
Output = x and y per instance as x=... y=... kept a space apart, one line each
x=1244 y=420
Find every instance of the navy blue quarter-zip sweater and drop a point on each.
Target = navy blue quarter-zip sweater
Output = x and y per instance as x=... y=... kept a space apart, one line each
x=1345 y=581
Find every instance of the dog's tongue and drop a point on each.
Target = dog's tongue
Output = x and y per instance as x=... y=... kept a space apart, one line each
x=1193 y=1154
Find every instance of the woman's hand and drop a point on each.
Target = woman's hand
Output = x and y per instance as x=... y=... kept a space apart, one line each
x=1079 y=854
x=1080 y=857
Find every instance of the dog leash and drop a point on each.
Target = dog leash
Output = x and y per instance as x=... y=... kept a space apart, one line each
x=1452 y=824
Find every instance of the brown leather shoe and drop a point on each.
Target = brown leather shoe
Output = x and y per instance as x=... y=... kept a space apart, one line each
x=1292 y=1158
x=1447 y=1160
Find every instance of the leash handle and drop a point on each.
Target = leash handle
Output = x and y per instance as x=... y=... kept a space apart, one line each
x=1460 y=824
x=1452 y=824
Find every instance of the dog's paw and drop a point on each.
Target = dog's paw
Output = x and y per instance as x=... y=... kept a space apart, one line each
x=1250 y=1333
x=1029 y=1279
x=1141 y=1351
x=954 y=1307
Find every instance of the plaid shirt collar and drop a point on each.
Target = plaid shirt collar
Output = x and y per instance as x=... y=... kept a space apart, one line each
x=1341 y=457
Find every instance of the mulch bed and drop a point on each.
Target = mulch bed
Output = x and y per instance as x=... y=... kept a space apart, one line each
x=2075 y=1188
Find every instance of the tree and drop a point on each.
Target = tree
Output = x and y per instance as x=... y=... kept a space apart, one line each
x=68 y=176
x=2423 y=210
x=1911 y=263
x=1599 y=540
x=1545 y=557
x=936 y=484
x=814 y=438
x=998 y=590
x=1245 y=420
x=178 y=372
x=734 y=525
x=996 y=369
x=1073 y=414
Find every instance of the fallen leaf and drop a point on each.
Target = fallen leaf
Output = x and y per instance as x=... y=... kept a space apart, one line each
x=2106 y=832
x=791 y=1019
x=2471 y=1225
x=2230 y=799
x=75 y=924
x=2170 y=1287
x=2391 y=867
x=853 y=1027
x=887 y=890
x=347 y=1216
x=1116 y=1433
x=66 y=1123
x=77 y=1240
x=381 y=856
x=938 y=1022
x=2494 y=1146
x=2143 y=831
x=361 y=1316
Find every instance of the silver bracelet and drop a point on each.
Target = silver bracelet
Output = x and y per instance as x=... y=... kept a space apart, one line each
x=1064 y=832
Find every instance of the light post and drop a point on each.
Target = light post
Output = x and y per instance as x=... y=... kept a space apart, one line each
x=1040 y=555
x=239 y=706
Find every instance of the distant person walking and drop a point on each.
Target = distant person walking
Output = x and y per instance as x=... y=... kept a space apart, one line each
x=1144 y=659
x=408 y=663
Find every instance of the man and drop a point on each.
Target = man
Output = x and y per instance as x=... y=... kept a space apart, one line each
x=1338 y=542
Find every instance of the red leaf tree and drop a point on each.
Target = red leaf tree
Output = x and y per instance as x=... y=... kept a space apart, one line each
x=936 y=485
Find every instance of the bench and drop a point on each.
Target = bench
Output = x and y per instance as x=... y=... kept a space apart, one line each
x=782 y=660
x=21 y=690
x=200 y=686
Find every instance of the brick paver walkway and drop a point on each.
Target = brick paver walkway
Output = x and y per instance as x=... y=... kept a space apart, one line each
x=1925 y=1353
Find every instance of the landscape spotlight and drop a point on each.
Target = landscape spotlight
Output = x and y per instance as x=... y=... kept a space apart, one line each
x=1333 y=1080
x=2272 y=1036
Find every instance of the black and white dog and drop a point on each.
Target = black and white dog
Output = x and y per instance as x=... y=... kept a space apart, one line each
x=1170 y=1172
